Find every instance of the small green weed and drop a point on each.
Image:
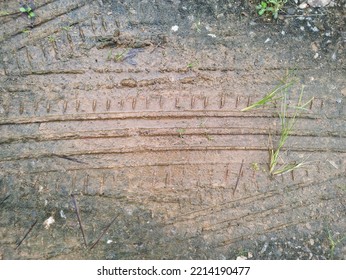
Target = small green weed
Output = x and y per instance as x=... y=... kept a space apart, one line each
x=192 y=64
x=181 y=132
x=66 y=28
x=198 y=26
x=26 y=9
x=26 y=31
x=118 y=57
x=333 y=243
x=51 y=38
x=270 y=7
x=242 y=252
x=254 y=166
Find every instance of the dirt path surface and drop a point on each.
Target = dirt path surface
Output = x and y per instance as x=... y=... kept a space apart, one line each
x=122 y=135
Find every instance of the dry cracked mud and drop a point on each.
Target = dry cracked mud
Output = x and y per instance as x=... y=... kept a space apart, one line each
x=109 y=112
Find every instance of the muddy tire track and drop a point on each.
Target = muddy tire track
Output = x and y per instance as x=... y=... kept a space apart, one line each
x=157 y=143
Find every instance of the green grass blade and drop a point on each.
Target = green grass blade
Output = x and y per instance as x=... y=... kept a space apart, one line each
x=269 y=97
x=287 y=168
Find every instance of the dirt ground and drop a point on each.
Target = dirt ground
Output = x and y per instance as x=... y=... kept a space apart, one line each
x=122 y=135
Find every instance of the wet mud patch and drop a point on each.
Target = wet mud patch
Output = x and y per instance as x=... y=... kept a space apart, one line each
x=131 y=112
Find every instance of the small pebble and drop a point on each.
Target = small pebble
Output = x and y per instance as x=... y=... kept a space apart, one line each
x=320 y=3
x=48 y=222
x=264 y=248
x=314 y=47
x=175 y=28
x=291 y=11
x=62 y=214
x=303 y=5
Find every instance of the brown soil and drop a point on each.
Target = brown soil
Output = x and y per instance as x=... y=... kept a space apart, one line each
x=143 y=126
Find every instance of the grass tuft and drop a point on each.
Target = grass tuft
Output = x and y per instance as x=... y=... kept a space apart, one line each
x=287 y=124
x=288 y=115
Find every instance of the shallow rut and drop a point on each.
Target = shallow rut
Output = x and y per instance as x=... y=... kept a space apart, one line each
x=157 y=142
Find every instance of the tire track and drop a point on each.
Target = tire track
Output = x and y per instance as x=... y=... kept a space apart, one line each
x=158 y=139
x=149 y=132
x=45 y=14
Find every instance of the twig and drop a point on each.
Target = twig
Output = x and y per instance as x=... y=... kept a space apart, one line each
x=240 y=170
x=79 y=220
x=69 y=158
x=30 y=229
x=307 y=15
x=156 y=47
x=4 y=199
x=104 y=231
